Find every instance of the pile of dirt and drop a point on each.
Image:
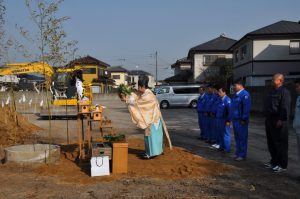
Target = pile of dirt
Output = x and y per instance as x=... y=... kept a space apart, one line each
x=14 y=128
x=173 y=165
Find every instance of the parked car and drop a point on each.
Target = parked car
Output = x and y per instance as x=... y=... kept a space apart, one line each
x=178 y=95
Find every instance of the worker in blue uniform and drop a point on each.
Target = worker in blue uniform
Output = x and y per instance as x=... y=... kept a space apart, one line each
x=200 y=110
x=206 y=108
x=240 y=110
x=211 y=112
x=223 y=121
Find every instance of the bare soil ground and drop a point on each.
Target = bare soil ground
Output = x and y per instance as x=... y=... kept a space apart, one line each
x=191 y=170
x=14 y=127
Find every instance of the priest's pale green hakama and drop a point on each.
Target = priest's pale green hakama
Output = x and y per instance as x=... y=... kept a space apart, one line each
x=154 y=141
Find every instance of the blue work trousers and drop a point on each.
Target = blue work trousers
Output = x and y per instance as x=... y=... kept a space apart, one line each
x=241 y=138
x=223 y=135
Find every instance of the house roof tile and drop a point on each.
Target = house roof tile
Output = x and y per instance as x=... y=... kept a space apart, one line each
x=280 y=27
x=184 y=60
x=87 y=60
x=218 y=44
x=118 y=69
x=139 y=72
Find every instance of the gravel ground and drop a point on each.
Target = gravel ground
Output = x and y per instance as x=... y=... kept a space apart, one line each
x=248 y=179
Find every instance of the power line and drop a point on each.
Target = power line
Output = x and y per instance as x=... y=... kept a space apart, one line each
x=163 y=60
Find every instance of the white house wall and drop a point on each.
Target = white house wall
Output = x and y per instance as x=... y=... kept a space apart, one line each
x=185 y=66
x=135 y=79
x=273 y=50
x=151 y=81
x=248 y=55
x=269 y=57
x=198 y=73
x=122 y=79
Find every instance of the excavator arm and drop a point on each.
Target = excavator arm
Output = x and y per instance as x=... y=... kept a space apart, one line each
x=26 y=68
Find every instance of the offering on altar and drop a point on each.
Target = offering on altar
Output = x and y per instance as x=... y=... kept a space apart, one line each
x=112 y=137
x=124 y=91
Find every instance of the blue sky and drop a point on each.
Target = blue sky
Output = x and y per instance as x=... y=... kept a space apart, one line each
x=114 y=30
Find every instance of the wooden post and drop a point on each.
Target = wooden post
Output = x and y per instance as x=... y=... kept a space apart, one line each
x=79 y=134
x=82 y=135
x=100 y=126
x=89 y=124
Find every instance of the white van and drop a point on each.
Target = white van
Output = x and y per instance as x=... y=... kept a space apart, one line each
x=178 y=95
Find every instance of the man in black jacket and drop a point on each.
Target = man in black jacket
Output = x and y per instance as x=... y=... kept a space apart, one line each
x=277 y=110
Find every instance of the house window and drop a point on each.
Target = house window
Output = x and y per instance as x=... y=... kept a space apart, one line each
x=236 y=56
x=209 y=60
x=295 y=47
x=186 y=90
x=163 y=90
x=89 y=71
x=116 y=77
x=244 y=52
x=101 y=72
x=213 y=60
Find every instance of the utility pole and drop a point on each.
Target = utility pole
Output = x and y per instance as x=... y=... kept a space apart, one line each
x=156 y=68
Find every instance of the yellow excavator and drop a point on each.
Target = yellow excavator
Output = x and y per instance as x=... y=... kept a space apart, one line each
x=65 y=85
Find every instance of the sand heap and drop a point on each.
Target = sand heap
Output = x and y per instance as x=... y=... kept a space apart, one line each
x=14 y=128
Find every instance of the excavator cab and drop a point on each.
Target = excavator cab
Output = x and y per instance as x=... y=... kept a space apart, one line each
x=64 y=86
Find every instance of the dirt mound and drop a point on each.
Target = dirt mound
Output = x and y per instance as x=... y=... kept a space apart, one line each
x=14 y=128
x=173 y=165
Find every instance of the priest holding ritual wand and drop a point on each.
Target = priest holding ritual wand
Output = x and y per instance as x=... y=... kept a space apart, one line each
x=145 y=113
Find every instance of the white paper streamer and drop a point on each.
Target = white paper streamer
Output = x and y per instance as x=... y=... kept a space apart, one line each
x=42 y=102
x=23 y=98
x=8 y=100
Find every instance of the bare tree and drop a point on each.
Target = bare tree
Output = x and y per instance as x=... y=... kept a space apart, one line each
x=222 y=74
x=53 y=44
x=2 y=29
x=22 y=48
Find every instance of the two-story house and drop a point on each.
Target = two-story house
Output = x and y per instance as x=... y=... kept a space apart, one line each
x=95 y=72
x=119 y=75
x=207 y=58
x=272 y=49
x=182 y=72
